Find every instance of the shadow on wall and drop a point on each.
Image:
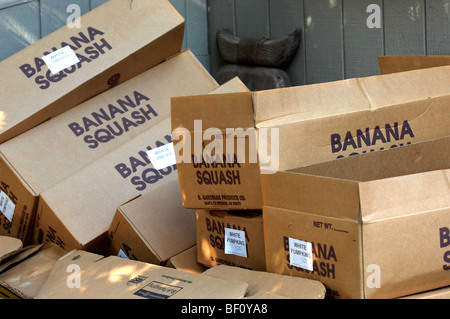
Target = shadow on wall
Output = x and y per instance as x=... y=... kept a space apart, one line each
x=260 y=63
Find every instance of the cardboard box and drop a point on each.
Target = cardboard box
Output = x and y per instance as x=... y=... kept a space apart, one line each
x=81 y=221
x=96 y=277
x=369 y=226
x=23 y=270
x=261 y=281
x=322 y=122
x=234 y=238
x=212 y=174
x=47 y=154
x=305 y=125
x=187 y=261
x=77 y=212
x=152 y=227
x=394 y=64
x=109 y=53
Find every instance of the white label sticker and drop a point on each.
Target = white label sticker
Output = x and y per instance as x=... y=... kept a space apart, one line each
x=122 y=254
x=7 y=207
x=60 y=59
x=300 y=253
x=163 y=156
x=235 y=242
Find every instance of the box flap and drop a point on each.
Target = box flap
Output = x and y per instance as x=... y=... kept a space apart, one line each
x=8 y=245
x=232 y=86
x=405 y=195
x=161 y=220
x=402 y=63
x=411 y=159
x=113 y=277
x=187 y=261
x=289 y=105
x=24 y=274
x=261 y=281
x=311 y=194
x=234 y=110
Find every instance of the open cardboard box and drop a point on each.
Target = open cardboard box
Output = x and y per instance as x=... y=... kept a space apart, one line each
x=77 y=212
x=302 y=126
x=369 y=226
x=116 y=41
x=47 y=154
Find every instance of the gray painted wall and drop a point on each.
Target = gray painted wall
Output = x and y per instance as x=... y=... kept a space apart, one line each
x=336 y=42
x=23 y=22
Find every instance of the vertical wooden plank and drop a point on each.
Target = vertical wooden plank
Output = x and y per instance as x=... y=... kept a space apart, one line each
x=362 y=45
x=96 y=3
x=252 y=18
x=54 y=13
x=323 y=41
x=285 y=16
x=10 y=3
x=180 y=6
x=438 y=27
x=221 y=16
x=404 y=27
x=197 y=30
x=19 y=27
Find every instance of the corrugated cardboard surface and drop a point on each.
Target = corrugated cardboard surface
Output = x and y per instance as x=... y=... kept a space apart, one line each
x=77 y=212
x=234 y=183
x=187 y=261
x=380 y=222
x=394 y=64
x=119 y=278
x=110 y=52
x=442 y=293
x=260 y=281
x=153 y=227
x=54 y=150
x=211 y=238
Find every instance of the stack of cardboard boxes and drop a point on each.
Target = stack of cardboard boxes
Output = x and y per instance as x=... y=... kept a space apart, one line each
x=122 y=155
x=85 y=128
x=368 y=226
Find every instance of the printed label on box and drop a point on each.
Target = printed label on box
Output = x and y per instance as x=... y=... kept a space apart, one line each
x=157 y=290
x=163 y=156
x=7 y=207
x=235 y=242
x=300 y=253
x=60 y=59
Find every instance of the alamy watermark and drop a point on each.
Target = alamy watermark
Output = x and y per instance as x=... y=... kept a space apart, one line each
x=374 y=19
x=233 y=145
x=74 y=19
